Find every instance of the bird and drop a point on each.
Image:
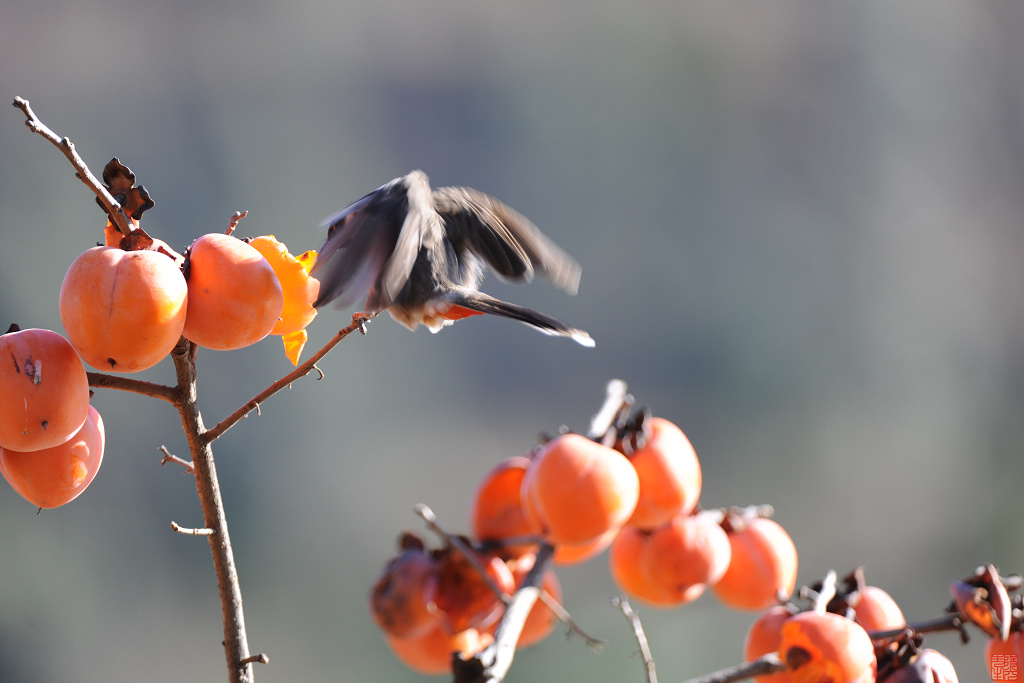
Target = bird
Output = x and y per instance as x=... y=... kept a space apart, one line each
x=420 y=254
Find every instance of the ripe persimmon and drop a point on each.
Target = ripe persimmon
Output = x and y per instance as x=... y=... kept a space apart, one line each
x=669 y=474
x=931 y=666
x=579 y=490
x=234 y=297
x=496 y=512
x=53 y=476
x=628 y=562
x=299 y=289
x=431 y=653
x=821 y=646
x=688 y=550
x=541 y=621
x=459 y=596
x=123 y=310
x=567 y=554
x=763 y=568
x=764 y=636
x=877 y=611
x=44 y=391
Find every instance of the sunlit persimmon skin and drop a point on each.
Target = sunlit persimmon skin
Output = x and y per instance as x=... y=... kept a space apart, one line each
x=579 y=489
x=763 y=567
x=496 y=512
x=764 y=636
x=431 y=653
x=688 y=550
x=877 y=611
x=44 y=391
x=628 y=563
x=234 y=297
x=669 y=475
x=929 y=666
x=299 y=289
x=51 y=477
x=568 y=554
x=123 y=310
x=827 y=648
x=398 y=603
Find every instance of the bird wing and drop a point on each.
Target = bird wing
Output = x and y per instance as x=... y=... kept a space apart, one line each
x=508 y=241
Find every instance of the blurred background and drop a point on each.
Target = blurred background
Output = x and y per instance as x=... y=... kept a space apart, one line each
x=800 y=226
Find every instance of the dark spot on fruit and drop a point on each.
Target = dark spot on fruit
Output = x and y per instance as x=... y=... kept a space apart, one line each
x=797 y=657
x=111 y=362
x=44 y=425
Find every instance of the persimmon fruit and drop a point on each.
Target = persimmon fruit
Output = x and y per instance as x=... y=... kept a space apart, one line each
x=877 y=611
x=234 y=297
x=459 y=596
x=496 y=511
x=431 y=653
x=44 y=390
x=764 y=636
x=578 y=490
x=51 y=477
x=123 y=310
x=929 y=666
x=669 y=474
x=541 y=620
x=763 y=567
x=629 y=564
x=688 y=550
x=398 y=603
x=821 y=646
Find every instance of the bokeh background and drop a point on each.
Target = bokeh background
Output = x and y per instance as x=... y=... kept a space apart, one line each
x=800 y=226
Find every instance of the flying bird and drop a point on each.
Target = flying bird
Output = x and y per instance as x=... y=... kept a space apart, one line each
x=420 y=254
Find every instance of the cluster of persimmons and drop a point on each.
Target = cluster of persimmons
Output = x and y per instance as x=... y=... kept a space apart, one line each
x=124 y=306
x=636 y=496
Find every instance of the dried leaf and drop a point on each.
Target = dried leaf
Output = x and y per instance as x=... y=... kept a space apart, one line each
x=120 y=181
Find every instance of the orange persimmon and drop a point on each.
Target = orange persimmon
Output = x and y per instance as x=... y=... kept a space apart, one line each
x=763 y=568
x=877 y=611
x=123 y=310
x=234 y=297
x=496 y=512
x=764 y=636
x=53 y=476
x=669 y=474
x=628 y=561
x=431 y=653
x=688 y=550
x=44 y=391
x=821 y=646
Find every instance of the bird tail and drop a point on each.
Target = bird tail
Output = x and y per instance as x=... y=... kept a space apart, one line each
x=478 y=302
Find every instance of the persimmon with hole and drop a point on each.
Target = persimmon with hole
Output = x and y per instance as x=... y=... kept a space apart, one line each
x=234 y=297
x=51 y=477
x=431 y=653
x=496 y=512
x=579 y=490
x=123 y=310
x=457 y=594
x=398 y=603
x=629 y=565
x=669 y=474
x=877 y=611
x=298 y=288
x=818 y=647
x=44 y=390
x=686 y=551
x=764 y=636
x=763 y=568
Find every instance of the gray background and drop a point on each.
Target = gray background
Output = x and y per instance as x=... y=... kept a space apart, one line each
x=800 y=231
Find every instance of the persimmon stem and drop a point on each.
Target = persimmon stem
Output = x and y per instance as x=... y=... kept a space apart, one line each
x=641 y=638
x=210 y=435
x=763 y=666
x=616 y=399
x=114 y=208
x=191 y=532
x=103 y=381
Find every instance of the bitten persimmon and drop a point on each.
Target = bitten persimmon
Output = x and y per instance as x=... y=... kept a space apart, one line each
x=459 y=596
x=669 y=474
x=579 y=490
x=431 y=652
x=764 y=636
x=763 y=568
x=821 y=646
x=234 y=297
x=57 y=475
x=123 y=310
x=877 y=611
x=44 y=391
x=299 y=289
x=688 y=550
x=496 y=512
x=398 y=603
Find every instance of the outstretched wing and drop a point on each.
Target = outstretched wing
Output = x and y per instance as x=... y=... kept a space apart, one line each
x=508 y=241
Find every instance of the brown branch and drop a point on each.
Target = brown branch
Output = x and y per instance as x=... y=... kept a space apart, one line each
x=169 y=457
x=82 y=171
x=763 y=666
x=210 y=435
x=103 y=381
x=641 y=638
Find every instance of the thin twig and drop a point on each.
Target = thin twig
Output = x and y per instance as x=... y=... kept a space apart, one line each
x=261 y=658
x=67 y=147
x=763 y=666
x=228 y=422
x=563 y=616
x=103 y=381
x=169 y=457
x=641 y=638
x=192 y=532
x=236 y=218
x=616 y=398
